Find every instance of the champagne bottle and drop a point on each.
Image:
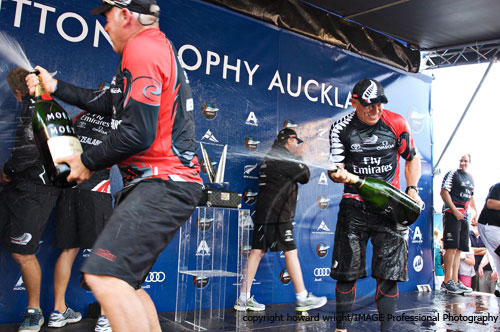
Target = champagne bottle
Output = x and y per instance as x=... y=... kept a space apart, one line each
x=54 y=136
x=386 y=198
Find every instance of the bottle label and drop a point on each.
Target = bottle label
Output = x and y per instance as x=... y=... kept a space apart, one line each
x=58 y=130
x=63 y=146
x=57 y=116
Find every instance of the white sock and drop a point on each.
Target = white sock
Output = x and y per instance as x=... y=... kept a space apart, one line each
x=302 y=296
x=244 y=296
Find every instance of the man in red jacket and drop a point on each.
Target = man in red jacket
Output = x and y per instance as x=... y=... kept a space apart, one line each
x=369 y=141
x=152 y=141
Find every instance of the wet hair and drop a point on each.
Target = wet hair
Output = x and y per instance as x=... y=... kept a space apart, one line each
x=16 y=80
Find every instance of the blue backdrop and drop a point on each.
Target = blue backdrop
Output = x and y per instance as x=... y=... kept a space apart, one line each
x=258 y=77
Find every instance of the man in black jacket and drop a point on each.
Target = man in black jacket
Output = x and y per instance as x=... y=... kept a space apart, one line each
x=274 y=212
x=26 y=203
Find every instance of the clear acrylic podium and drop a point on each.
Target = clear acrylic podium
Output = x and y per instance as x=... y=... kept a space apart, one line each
x=207 y=259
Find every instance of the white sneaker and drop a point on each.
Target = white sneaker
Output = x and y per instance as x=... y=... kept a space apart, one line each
x=311 y=302
x=250 y=304
x=69 y=316
x=103 y=324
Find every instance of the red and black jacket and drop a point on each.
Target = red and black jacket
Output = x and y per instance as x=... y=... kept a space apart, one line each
x=151 y=105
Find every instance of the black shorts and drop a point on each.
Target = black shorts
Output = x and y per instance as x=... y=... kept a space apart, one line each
x=80 y=217
x=147 y=216
x=455 y=233
x=390 y=245
x=275 y=237
x=25 y=209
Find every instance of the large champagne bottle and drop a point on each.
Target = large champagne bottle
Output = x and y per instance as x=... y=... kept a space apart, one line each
x=386 y=198
x=54 y=136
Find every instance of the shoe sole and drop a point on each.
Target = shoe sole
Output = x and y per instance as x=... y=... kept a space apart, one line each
x=454 y=292
x=316 y=306
x=103 y=329
x=63 y=323
x=239 y=308
x=256 y=309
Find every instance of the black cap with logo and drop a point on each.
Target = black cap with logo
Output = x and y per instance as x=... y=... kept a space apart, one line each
x=369 y=91
x=148 y=7
x=287 y=133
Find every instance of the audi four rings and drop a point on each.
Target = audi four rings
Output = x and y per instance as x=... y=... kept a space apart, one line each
x=155 y=277
x=322 y=272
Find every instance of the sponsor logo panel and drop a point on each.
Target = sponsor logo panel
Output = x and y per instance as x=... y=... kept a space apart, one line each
x=251 y=143
x=321 y=272
x=322 y=249
x=154 y=277
x=209 y=111
x=285 y=277
x=418 y=263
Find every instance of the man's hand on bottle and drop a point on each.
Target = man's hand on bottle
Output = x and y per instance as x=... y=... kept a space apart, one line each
x=340 y=175
x=79 y=173
x=48 y=81
x=416 y=197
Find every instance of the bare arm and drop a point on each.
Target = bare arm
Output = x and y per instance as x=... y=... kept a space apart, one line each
x=473 y=208
x=479 y=250
x=493 y=204
x=412 y=175
x=445 y=195
x=484 y=262
x=469 y=259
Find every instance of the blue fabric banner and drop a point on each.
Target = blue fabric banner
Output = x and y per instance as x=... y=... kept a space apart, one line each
x=259 y=78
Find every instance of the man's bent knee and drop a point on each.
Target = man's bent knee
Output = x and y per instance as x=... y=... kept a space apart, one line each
x=97 y=283
x=102 y=283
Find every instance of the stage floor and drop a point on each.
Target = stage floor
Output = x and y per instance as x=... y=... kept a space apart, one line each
x=415 y=312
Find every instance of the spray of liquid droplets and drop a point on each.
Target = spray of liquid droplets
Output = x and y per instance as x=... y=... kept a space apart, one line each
x=12 y=51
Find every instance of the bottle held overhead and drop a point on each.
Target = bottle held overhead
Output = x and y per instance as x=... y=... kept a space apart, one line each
x=54 y=136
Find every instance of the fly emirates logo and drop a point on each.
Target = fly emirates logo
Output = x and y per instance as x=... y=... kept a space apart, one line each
x=372 y=165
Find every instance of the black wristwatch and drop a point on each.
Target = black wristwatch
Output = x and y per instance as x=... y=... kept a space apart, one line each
x=411 y=187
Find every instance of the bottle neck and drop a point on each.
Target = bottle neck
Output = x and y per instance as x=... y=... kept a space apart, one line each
x=356 y=180
x=41 y=93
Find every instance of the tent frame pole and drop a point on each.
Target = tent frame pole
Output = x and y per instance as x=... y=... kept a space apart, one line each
x=464 y=113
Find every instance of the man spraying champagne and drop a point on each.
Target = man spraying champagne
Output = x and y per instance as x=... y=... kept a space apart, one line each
x=368 y=142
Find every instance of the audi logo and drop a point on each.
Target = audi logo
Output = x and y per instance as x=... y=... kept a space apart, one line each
x=322 y=272
x=155 y=277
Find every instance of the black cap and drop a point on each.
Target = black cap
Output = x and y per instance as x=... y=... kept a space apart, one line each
x=287 y=133
x=148 y=7
x=369 y=91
